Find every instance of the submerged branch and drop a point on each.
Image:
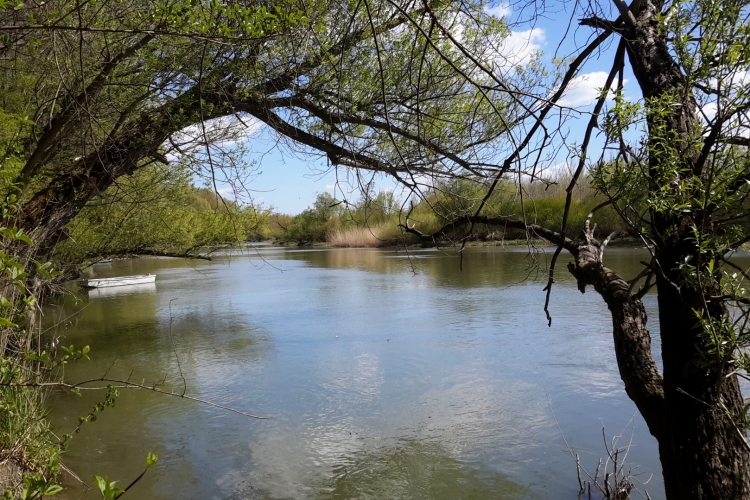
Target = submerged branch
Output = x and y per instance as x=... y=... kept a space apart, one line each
x=126 y=384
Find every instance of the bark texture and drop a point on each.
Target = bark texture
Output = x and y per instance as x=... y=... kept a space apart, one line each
x=632 y=339
x=691 y=408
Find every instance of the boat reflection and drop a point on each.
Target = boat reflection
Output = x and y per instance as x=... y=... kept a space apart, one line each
x=121 y=290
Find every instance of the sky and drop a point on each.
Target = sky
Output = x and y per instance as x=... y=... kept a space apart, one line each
x=289 y=181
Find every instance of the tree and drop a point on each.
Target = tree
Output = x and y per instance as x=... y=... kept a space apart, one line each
x=681 y=186
x=93 y=92
x=423 y=92
x=129 y=84
x=157 y=211
x=314 y=223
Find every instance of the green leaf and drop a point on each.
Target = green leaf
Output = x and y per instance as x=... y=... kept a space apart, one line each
x=53 y=489
x=7 y=322
x=107 y=488
x=101 y=483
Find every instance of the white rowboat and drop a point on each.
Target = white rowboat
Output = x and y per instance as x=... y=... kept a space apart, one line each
x=123 y=280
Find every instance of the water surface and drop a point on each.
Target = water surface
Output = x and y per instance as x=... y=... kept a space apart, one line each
x=386 y=374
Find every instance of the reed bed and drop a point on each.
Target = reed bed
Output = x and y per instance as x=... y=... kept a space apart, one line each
x=380 y=235
x=356 y=237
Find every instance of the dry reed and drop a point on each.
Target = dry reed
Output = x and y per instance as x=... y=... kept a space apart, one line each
x=356 y=237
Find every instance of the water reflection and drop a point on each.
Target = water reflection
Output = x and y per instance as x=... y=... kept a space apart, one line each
x=415 y=470
x=120 y=290
x=481 y=266
x=383 y=382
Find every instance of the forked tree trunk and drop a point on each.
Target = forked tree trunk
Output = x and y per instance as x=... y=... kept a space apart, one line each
x=690 y=409
x=693 y=409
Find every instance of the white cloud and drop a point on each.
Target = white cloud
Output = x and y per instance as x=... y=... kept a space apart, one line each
x=172 y=157
x=731 y=83
x=224 y=131
x=709 y=110
x=519 y=48
x=330 y=187
x=500 y=10
x=737 y=126
x=501 y=53
x=731 y=86
x=584 y=89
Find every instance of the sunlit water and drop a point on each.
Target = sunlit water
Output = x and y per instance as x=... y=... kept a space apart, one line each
x=387 y=375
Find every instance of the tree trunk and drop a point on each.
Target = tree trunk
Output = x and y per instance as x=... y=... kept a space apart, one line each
x=703 y=452
x=689 y=409
x=694 y=412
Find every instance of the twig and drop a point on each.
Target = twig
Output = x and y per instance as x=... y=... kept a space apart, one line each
x=174 y=347
x=125 y=384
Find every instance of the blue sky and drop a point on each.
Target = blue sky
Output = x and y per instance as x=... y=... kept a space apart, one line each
x=289 y=181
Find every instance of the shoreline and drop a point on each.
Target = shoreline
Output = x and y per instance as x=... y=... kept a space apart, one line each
x=626 y=242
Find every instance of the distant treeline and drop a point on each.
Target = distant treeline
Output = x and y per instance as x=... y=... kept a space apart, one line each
x=374 y=219
x=159 y=211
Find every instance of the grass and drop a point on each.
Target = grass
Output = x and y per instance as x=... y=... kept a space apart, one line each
x=27 y=445
x=357 y=237
x=29 y=451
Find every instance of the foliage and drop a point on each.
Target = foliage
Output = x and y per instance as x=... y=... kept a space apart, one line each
x=422 y=93
x=373 y=219
x=108 y=489
x=541 y=205
x=158 y=210
x=674 y=173
x=119 y=87
x=313 y=224
x=26 y=442
x=97 y=97
x=674 y=169
x=29 y=450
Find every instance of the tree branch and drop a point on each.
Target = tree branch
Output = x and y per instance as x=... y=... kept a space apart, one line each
x=542 y=232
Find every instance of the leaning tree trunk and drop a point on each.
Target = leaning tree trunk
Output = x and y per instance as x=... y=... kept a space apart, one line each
x=690 y=408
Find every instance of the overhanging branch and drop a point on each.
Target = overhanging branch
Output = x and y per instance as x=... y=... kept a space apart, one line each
x=542 y=232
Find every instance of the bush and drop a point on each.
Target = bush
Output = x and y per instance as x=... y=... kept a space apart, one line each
x=158 y=209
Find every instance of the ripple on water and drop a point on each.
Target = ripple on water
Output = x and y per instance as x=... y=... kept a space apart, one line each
x=382 y=383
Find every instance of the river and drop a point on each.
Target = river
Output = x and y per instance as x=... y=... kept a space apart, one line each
x=386 y=375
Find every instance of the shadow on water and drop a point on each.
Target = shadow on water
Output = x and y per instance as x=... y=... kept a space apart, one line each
x=409 y=470
x=419 y=471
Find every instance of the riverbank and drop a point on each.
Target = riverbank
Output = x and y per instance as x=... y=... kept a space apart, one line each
x=364 y=242
x=29 y=450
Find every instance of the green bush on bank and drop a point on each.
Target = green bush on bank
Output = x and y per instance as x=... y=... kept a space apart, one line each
x=29 y=452
x=312 y=225
x=371 y=221
x=159 y=210
x=532 y=203
x=374 y=220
